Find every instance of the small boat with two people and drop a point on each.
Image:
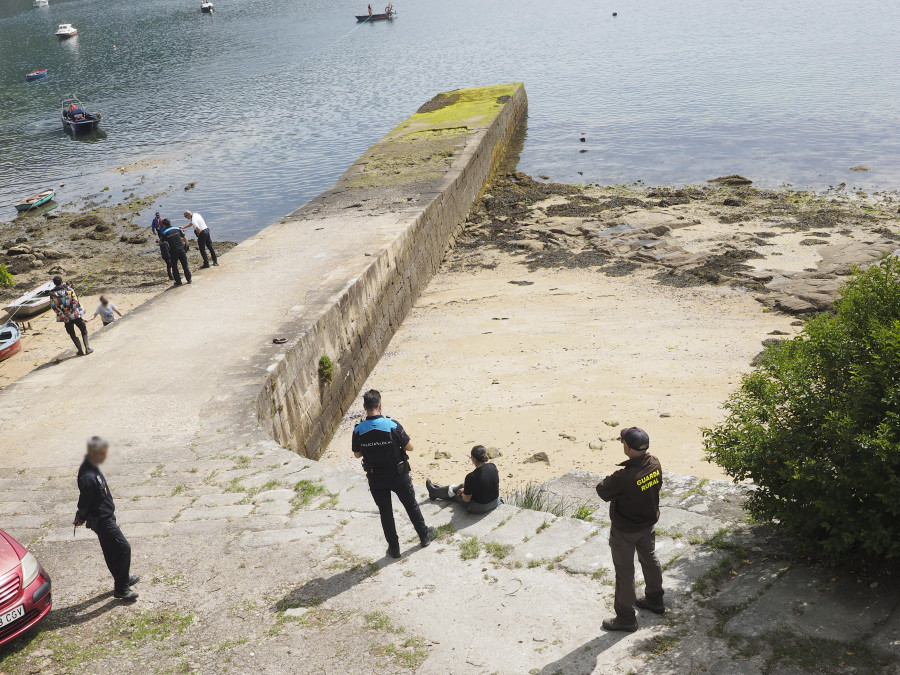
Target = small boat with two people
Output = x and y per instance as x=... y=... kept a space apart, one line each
x=33 y=302
x=36 y=75
x=10 y=340
x=76 y=120
x=41 y=3
x=388 y=15
x=35 y=200
x=65 y=31
x=206 y=7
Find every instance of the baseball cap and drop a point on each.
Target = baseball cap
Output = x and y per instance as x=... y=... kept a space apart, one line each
x=635 y=438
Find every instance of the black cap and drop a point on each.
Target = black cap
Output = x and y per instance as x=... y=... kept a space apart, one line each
x=635 y=438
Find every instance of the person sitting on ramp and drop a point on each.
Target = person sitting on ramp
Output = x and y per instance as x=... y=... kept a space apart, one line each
x=479 y=492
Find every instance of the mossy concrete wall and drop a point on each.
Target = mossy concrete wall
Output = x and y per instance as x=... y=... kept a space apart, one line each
x=412 y=192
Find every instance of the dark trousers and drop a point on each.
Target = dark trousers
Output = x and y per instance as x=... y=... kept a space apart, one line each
x=180 y=257
x=623 y=546
x=204 y=241
x=116 y=551
x=70 y=329
x=168 y=262
x=381 y=485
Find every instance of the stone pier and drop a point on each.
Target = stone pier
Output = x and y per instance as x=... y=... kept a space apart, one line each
x=257 y=559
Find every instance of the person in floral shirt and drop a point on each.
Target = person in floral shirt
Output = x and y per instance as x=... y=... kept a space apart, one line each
x=70 y=312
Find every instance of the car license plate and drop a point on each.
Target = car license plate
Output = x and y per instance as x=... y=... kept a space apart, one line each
x=13 y=614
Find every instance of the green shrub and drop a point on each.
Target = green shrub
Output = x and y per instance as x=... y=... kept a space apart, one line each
x=6 y=278
x=816 y=425
x=326 y=369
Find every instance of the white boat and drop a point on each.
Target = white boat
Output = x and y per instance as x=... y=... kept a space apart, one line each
x=33 y=302
x=41 y=3
x=66 y=30
x=10 y=340
x=206 y=6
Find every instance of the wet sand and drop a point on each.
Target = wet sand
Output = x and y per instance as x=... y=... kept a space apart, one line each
x=553 y=324
x=560 y=366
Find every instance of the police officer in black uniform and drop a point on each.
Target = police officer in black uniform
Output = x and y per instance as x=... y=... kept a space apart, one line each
x=384 y=446
x=97 y=511
x=174 y=237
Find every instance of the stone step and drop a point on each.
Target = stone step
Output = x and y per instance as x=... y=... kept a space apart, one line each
x=561 y=537
x=886 y=640
x=817 y=604
x=523 y=524
x=593 y=557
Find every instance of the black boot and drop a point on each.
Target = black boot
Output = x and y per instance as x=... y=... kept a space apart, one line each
x=78 y=346
x=87 y=346
x=430 y=534
x=437 y=491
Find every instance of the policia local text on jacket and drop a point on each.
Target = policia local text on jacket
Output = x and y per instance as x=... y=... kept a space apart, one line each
x=633 y=496
x=381 y=442
x=97 y=511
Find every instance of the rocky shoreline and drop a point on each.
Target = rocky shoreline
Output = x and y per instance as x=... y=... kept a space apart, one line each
x=793 y=249
x=103 y=249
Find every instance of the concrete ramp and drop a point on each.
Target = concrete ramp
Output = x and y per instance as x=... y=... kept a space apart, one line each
x=335 y=278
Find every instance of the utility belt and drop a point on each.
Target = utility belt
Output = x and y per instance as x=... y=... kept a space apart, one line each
x=400 y=468
x=91 y=522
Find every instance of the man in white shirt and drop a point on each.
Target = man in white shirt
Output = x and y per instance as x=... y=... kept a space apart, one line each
x=204 y=240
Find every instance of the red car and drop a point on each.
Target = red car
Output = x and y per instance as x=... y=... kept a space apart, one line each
x=24 y=589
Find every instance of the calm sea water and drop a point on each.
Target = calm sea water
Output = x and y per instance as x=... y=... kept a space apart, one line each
x=265 y=103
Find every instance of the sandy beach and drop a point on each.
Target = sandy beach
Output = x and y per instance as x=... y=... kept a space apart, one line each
x=566 y=313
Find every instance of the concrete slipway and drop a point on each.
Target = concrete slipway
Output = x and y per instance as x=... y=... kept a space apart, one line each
x=258 y=559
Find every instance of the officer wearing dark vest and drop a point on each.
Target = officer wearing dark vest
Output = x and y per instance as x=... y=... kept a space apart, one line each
x=384 y=446
x=633 y=496
x=174 y=237
x=97 y=511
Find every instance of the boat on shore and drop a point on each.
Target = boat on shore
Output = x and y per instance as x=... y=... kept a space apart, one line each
x=10 y=340
x=35 y=200
x=207 y=7
x=65 y=31
x=41 y=3
x=36 y=75
x=33 y=302
x=76 y=120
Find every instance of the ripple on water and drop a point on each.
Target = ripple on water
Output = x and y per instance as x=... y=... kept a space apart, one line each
x=264 y=105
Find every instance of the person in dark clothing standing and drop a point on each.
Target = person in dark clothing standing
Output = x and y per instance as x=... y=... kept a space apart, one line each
x=174 y=238
x=156 y=224
x=70 y=313
x=164 y=253
x=480 y=492
x=97 y=511
x=633 y=496
x=384 y=446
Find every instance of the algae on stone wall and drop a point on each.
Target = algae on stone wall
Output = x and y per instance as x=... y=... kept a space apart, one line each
x=423 y=147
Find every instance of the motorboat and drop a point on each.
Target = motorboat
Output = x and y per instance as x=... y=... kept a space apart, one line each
x=388 y=15
x=65 y=31
x=76 y=120
x=206 y=7
x=35 y=200
x=33 y=302
x=10 y=340
x=36 y=74
x=41 y=3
